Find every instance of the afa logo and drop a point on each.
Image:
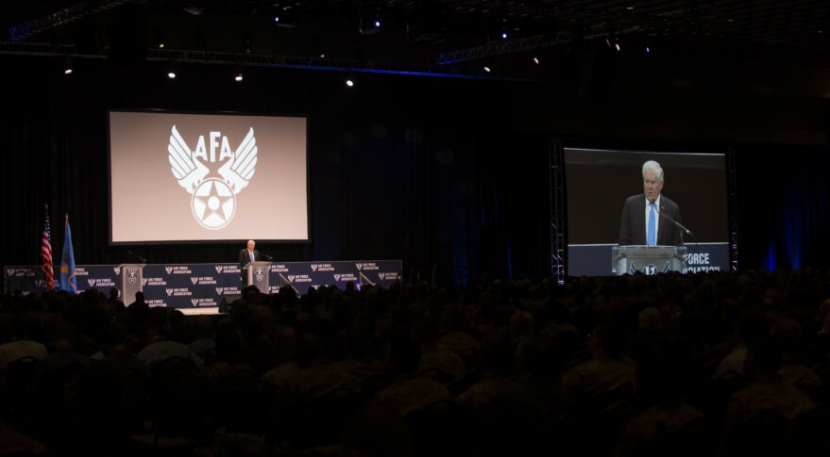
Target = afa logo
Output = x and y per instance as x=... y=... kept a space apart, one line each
x=213 y=200
x=132 y=275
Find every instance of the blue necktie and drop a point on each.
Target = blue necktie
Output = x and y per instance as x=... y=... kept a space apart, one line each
x=652 y=227
x=252 y=255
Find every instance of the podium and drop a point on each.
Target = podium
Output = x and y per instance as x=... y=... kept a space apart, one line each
x=647 y=259
x=258 y=273
x=132 y=279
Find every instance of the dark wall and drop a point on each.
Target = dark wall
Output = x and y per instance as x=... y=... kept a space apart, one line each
x=449 y=175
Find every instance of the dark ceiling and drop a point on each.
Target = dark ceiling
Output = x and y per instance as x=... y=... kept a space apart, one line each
x=448 y=37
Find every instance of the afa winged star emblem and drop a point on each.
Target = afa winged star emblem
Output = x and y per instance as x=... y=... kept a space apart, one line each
x=213 y=200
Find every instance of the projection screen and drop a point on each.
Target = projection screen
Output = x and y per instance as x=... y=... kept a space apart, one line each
x=177 y=177
x=598 y=181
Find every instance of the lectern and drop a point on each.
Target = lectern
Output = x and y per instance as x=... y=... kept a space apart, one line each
x=647 y=259
x=258 y=275
x=132 y=275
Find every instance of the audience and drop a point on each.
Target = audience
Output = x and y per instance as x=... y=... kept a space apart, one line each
x=719 y=363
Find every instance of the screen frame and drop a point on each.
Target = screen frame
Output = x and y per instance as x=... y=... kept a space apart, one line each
x=308 y=238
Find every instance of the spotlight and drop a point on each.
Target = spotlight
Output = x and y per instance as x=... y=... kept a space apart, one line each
x=617 y=45
x=238 y=77
x=158 y=37
x=276 y=18
x=648 y=49
x=194 y=10
x=171 y=74
x=67 y=65
x=377 y=24
x=68 y=71
x=504 y=35
x=349 y=83
x=487 y=69
x=536 y=60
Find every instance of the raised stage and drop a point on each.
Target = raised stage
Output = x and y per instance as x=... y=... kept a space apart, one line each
x=199 y=288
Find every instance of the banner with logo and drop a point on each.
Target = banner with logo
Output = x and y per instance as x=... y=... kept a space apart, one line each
x=205 y=285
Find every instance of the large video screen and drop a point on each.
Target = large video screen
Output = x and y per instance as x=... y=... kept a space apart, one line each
x=178 y=177
x=599 y=183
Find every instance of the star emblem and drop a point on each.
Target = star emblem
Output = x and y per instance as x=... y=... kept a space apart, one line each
x=213 y=204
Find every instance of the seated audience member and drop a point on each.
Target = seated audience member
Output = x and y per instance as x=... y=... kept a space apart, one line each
x=534 y=413
x=793 y=370
x=606 y=380
x=604 y=386
x=668 y=425
x=750 y=328
x=113 y=300
x=496 y=361
x=760 y=416
x=409 y=390
x=158 y=348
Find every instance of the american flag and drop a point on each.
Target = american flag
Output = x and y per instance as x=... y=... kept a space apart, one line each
x=46 y=252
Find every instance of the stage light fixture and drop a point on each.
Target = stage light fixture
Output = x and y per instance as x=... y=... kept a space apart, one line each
x=487 y=69
x=349 y=82
x=377 y=24
x=67 y=66
x=617 y=45
x=536 y=60
x=276 y=18
x=238 y=77
x=648 y=49
x=503 y=35
x=171 y=74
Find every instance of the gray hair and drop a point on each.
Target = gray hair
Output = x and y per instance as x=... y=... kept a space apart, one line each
x=655 y=167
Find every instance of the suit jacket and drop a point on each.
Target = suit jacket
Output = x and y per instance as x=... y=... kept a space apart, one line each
x=245 y=259
x=633 y=223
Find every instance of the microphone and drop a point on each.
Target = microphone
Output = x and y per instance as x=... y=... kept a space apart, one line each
x=681 y=227
x=266 y=255
x=137 y=256
x=678 y=224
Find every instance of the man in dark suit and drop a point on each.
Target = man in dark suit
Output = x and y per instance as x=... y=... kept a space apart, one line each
x=647 y=217
x=247 y=256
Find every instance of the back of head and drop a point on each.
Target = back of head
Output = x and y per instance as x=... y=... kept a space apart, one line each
x=752 y=327
x=764 y=357
x=611 y=338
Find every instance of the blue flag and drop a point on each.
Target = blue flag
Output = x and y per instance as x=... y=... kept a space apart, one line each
x=68 y=263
